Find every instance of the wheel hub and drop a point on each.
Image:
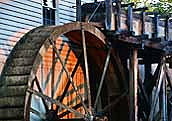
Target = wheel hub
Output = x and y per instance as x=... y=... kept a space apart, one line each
x=102 y=118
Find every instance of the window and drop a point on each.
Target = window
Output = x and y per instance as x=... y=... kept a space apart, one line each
x=49 y=12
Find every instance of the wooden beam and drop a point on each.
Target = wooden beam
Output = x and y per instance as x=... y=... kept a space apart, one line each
x=78 y=10
x=133 y=86
x=108 y=19
x=169 y=77
x=163 y=100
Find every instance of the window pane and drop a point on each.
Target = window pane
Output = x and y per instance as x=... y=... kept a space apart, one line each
x=48 y=12
x=48 y=16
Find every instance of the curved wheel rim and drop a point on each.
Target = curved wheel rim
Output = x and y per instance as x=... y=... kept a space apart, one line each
x=35 y=44
x=77 y=27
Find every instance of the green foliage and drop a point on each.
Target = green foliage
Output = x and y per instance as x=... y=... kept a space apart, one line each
x=163 y=6
x=160 y=6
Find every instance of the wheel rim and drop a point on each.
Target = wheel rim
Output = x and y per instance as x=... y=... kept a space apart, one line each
x=31 y=48
x=63 y=72
x=20 y=78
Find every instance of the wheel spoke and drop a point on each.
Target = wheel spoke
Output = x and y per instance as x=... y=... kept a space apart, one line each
x=53 y=101
x=163 y=99
x=143 y=91
x=53 y=74
x=86 y=68
x=110 y=106
x=41 y=115
x=67 y=112
x=149 y=85
x=40 y=90
x=143 y=113
x=120 y=67
x=72 y=75
x=151 y=116
x=68 y=75
x=103 y=76
x=169 y=79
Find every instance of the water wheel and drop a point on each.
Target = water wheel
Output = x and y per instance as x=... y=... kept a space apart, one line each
x=56 y=73
x=76 y=72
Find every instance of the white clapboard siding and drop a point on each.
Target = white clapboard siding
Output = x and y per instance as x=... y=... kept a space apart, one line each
x=16 y=18
x=19 y=8
x=67 y=10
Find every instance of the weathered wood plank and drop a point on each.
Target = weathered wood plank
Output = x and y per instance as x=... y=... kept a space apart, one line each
x=12 y=91
x=21 y=62
x=88 y=9
x=15 y=80
x=11 y=113
x=17 y=70
x=24 y=53
x=12 y=102
x=29 y=45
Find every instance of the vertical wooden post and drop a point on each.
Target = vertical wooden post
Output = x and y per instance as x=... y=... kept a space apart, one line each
x=78 y=10
x=133 y=86
x=130 y=19
x=118 y=16
x=156 y=21
x=167 y=28
x=108 y=19
x=143 y=23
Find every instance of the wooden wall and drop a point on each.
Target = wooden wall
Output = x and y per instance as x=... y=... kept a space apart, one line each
x=16 y=18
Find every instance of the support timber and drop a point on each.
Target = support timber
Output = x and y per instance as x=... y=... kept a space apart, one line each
x=133 y=85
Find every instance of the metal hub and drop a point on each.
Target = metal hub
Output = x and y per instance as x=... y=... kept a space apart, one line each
x=102 y=118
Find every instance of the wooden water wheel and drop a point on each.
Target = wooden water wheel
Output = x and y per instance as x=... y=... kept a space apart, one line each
x=53 y=73
x=76 y=72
